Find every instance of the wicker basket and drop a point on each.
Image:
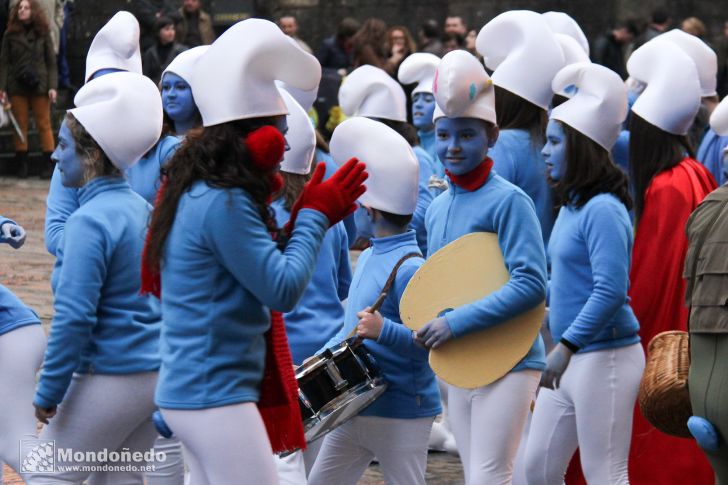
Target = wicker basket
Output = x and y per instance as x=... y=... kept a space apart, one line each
x=663 y=397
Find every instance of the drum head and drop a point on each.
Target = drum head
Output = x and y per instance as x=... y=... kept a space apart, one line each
x=466 y=270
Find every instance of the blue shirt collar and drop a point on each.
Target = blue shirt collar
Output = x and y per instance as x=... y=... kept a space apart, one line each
x=390 y=243
x=98 y=185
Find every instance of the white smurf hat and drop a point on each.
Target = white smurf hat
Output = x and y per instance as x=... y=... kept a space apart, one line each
x=562 y=23
x=184 y=64
x=599 y=105
x=305 y=97
x=392 y=165
x=524 y=54
x=115 y=46
x=671 y=98
x=234 y=79
x=121 y=99
x=705 y=58
x=719 y=118
x=371 y=92
x=463 y=89
x=301 y=138
x=419 y=68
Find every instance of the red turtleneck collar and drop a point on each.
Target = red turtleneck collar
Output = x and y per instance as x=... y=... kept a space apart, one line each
x=474 y=179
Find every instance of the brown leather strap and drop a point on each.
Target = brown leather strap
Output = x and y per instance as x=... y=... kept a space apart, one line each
x=390 y=281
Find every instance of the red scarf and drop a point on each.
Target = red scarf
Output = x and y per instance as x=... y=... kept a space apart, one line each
x=474 y=179
x=278 y=403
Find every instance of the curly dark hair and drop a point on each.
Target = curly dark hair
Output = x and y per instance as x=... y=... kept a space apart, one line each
x=92 y=156
x=217 y=155
x=38 y=18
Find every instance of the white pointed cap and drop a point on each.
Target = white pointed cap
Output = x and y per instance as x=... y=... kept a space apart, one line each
x=234 y=79
x=120 y=99
x=573 y=54
x=463 y=89
x=371 y=92
x=305 y=97
x=599 y=105
x=392 y=165
x=563 y=23
x=419 y=68
x=524 y=54
x=301 y=138
x=671 y=98
x=115 y=46
x=705 y=58
x=184 y=64
x=719 y=118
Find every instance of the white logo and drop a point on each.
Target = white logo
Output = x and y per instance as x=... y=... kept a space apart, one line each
x=38 y=456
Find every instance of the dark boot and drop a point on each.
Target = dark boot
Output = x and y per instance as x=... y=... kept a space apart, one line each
x=46 y=166
x=21 y=164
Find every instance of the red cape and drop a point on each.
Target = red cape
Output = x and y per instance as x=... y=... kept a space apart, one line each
x=657 y=291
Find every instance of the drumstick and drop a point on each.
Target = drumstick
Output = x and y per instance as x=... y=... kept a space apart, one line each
x=374 y=308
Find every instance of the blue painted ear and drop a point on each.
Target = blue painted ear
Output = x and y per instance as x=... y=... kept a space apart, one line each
x=571 y=89
x=704 y=433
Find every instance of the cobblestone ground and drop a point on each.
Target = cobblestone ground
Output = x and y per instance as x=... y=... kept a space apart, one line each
x=27 y=273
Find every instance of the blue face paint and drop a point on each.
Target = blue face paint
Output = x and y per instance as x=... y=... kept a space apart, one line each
x=554 y=151
x=423 y=107
x=103 y=72
x=67 y=160
x=725 y=163
x=461 y=143
x=177 y=101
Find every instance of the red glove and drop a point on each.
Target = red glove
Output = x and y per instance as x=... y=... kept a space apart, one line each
x=335 y=198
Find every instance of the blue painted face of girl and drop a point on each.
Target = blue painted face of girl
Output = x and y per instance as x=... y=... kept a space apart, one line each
x=554 y=151
x=423 y=107
x=71 y=168
x=177 y=98
x=461 y=143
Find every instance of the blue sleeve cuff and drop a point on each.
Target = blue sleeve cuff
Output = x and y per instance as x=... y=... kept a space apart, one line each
x=43 y=402
x=388 y=334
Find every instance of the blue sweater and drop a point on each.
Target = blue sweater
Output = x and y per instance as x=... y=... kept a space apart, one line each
x=319 y=313
x=63 y=201
x=500 y=207
x=412 y=390
x=221 y=275
x=331 y=168
x=590 y=251
x=13 y=312
x=710 y=154
x=427 y=141
x=518 y=160
x=101 y=323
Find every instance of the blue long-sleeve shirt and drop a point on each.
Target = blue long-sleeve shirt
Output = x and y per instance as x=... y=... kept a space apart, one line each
x=412 y=390
x=13 y=312
x=319 y=314
x=591 y=250
x=63 y=201
x=500 y=207
x=101 y=323
x=424 y=197
x=517 y=158
x=331 y=168
x=222 y=274
x=710 y=154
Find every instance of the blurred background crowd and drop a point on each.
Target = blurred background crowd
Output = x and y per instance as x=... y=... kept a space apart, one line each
x=44 y=43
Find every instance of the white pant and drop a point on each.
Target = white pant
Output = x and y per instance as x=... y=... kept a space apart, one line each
x=400 y=445
x=102 y=411
x=172 y=470
x=21 y=353
x=294 y=469
x=224 y=445
x=488 y=423
x=592 y=409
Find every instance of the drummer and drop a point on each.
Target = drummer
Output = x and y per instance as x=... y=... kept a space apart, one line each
x=481 y=201
x=319 y=313
x=396 y=427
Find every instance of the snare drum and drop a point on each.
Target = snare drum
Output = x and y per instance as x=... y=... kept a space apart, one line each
x=336 y=386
